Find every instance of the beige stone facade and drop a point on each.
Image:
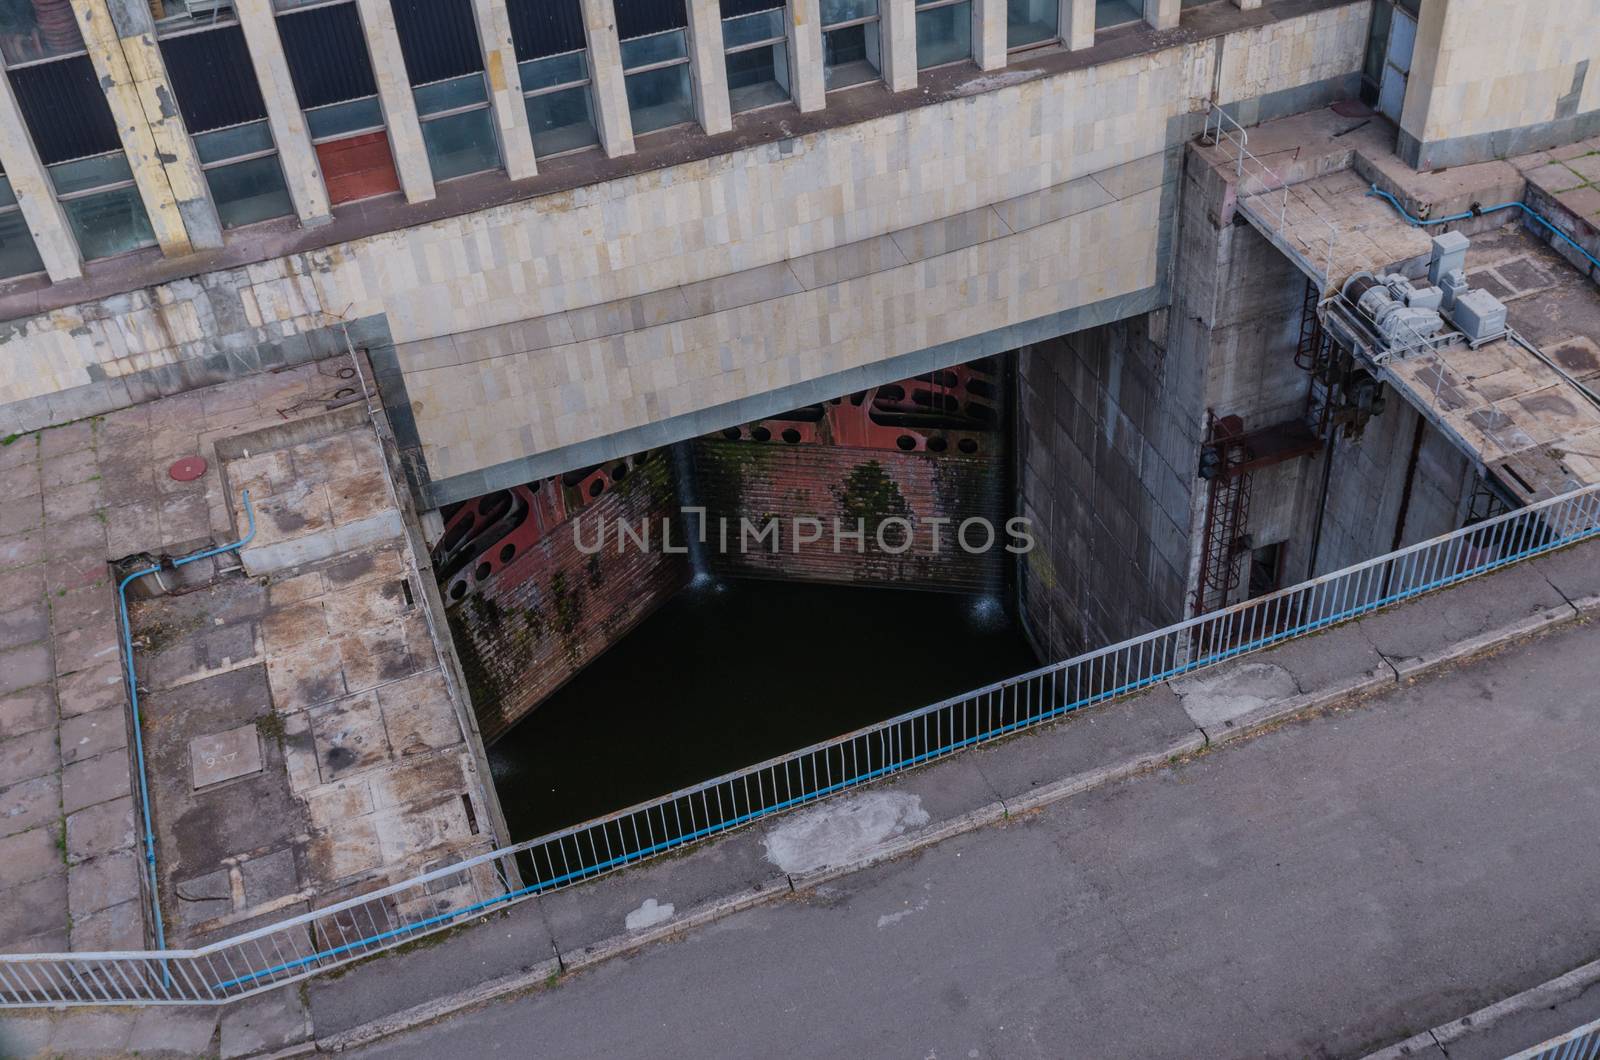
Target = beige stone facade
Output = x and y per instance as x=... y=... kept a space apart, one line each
x=1485 y=67
x=1019 y=133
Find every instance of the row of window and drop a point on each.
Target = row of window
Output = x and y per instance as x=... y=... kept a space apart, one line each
x=213 y=81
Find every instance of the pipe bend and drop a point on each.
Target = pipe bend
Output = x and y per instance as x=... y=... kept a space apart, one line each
x=133 y=702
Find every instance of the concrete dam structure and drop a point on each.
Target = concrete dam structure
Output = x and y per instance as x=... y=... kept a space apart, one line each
x=631 y=391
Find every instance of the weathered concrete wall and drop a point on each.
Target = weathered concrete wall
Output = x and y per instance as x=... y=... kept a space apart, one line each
x=1367 y=489
x=721 y=219
x=1109 y=444
x=1493 y=78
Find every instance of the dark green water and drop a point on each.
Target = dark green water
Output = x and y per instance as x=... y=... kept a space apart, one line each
x=730 y=673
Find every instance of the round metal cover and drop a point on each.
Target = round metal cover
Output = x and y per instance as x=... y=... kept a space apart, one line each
x=188 y=469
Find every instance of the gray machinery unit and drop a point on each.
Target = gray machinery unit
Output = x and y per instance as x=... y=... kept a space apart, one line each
x=1403 y=316
x=1389 y=315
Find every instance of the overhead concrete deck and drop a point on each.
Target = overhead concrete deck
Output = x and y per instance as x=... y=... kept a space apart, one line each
x=1306 y=186
x=302 y=740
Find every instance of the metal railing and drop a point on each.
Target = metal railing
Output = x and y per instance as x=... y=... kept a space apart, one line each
x=343 y=932
x=1581 y=1043
x=1259 y=181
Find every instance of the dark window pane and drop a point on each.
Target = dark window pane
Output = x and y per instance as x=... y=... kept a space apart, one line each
x=18 y=255
x=638 y=18
x=659 y=98
x=213 y=79
x=747 y=29
x=85 y=173
x=553 y=70
x=545 y=27
x=851 y=56
x=461 y=144
x=834 y=11
x=37 y=29
x=438 y=37
x=561 y=121
x=735 y=8
x=1031 y=22
x=246 y=192
x=944 y=35
x=236 y=142
x=66 y=110
x=450 y=95
x=1108 y=13
x=355 y=116
x=110 y=223
x=758 y=77
x=327 y=55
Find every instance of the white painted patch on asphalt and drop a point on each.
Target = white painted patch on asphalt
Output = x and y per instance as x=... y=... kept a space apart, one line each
x=889 y=919
x=841 y=832
x=649 y=914
x=1213 y=698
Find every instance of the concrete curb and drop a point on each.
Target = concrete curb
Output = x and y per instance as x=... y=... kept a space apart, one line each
x=1262 y=717
x=1545 y=995
x=999 y=810
x=1094 y=778
x=1465 y=649
x=542 y=972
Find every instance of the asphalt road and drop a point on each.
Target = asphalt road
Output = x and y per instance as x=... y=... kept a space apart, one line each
x=1322 y=890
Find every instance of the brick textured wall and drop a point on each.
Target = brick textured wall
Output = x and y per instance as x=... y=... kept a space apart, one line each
x=541 y=618
x=757 y=481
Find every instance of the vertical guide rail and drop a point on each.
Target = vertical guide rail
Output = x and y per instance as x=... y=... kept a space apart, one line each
x=346 y=931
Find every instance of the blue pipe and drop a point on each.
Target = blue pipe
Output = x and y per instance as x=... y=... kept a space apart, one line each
x=133 y=699
x=1417 y=222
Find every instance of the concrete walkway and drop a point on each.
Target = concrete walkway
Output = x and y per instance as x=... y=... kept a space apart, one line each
x=1343 y=882
x=1322 y=889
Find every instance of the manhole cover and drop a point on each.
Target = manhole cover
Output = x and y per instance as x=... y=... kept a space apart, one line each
x=188 y=469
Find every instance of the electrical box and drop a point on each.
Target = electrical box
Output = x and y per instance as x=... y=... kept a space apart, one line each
x=1449 y=255
x=1480 y=316
x=1454 y=285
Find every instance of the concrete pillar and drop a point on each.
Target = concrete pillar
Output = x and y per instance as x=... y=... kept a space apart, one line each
x=394 y=96
x=121 y=41
x=805 y=55
x=605 y=78
x=1162 y=14
x=898 y=29
x=505 y=88
x=989 y=34
x=1077 y=24
x=301 y=169
x=47 y=223
x=708 y=67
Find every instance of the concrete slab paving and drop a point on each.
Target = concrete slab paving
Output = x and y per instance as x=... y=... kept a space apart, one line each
x=1456 y=621
x=580 y=918
x=1575 y=574
x=91 y=1033
x=174 y=1032
x=1086 y=739
x=512 y=942
x=1227 y=699
x=263 y=1024
x=1322 y=889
